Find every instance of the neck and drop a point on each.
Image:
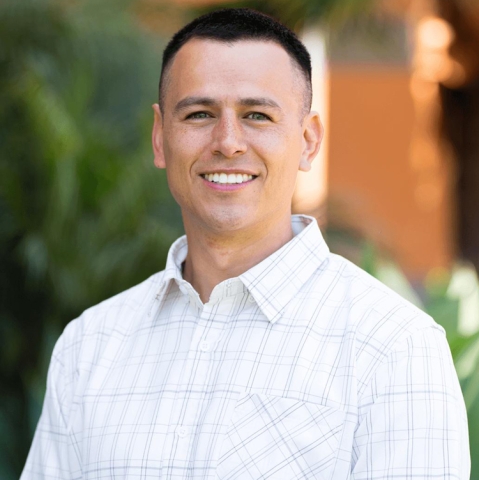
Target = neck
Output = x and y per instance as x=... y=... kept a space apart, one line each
x=213 y=258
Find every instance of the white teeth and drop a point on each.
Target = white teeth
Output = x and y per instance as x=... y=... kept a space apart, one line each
x=228 y=178
x=223 y=178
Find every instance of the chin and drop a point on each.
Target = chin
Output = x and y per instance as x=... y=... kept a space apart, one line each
x=229 y=221
x=229 y=225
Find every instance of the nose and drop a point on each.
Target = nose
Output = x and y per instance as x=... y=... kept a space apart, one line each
x=228 y=137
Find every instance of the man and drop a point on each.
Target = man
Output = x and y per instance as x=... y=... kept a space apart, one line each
x=256 y=353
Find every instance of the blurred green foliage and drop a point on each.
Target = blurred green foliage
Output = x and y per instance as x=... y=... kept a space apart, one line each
x=83 y=212
x=296 y=13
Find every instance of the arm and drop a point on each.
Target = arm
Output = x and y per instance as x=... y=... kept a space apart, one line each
x=412 y=418
x=52 y=454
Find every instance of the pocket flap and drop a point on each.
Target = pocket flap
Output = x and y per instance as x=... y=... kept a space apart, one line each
x=280 y=438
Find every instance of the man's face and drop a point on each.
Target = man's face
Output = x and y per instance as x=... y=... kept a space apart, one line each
x=232 y=136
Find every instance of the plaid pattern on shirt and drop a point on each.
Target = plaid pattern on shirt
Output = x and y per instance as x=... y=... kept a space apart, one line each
x=304 y=367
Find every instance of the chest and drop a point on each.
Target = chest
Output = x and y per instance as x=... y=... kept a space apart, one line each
x=220 y=393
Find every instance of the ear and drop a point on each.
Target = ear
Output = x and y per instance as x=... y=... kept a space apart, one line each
x=157 y=138
x=312 y=136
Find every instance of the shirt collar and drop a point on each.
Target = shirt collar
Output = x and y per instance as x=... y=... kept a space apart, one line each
x=277 y=279
x=176 y=256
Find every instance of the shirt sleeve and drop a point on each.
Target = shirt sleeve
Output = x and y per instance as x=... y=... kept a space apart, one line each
x=52 y=453
x=412 y=417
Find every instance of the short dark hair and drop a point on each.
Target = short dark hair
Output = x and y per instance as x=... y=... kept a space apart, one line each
x=233 y=24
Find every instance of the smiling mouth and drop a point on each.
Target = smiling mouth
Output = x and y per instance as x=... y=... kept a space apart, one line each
x=228 y=178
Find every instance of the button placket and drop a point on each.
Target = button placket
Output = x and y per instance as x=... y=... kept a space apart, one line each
x=199 y=369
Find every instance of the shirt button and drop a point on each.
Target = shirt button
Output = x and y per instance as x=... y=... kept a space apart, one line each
x=251 y=299
x=205 y=346
x=181 y=431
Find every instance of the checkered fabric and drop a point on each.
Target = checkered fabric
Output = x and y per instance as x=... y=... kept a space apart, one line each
x=304 y=367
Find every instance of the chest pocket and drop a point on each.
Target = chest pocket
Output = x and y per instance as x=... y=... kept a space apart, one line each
x=281 y=439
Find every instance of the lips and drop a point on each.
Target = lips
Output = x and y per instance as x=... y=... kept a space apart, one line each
x=228 y=178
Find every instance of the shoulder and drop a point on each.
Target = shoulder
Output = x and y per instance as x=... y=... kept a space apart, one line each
x=85 y=338
x=382 y=338
x=365 y=303
x=118 y=311
x=373 y=319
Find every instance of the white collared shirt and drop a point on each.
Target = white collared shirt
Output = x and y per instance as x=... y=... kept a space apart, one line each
x=303 y=367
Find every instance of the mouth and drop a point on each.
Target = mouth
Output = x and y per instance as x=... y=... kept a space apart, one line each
x=228 y=178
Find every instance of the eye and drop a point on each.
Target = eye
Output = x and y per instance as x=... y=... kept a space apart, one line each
x=198 y=115
x=258 y=116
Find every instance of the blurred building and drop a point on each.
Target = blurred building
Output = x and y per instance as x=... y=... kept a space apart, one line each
x=388 y=174
x=400 y=97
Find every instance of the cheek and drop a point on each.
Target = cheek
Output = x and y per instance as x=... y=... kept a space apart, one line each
x=174 y=184
x=283 y=154
x=177 y=170
x=183 y=146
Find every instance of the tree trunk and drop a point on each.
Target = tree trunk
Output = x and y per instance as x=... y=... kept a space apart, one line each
x=460 y=122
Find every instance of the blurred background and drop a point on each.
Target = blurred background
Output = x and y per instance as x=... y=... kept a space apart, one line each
x=85 y=215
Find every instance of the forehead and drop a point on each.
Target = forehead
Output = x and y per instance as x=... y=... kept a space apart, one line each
x=243 y=67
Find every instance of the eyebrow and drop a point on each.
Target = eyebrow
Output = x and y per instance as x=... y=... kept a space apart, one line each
x=194 y=101
x=259 y=102
x=210 y=102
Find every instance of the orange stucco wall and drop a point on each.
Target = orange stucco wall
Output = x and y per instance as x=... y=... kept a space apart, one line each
x=370 y=173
